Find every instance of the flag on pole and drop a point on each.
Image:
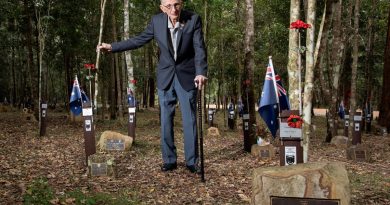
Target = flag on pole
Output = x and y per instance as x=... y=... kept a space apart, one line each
x=76 y=98
x=273 y=98
x=341 y=111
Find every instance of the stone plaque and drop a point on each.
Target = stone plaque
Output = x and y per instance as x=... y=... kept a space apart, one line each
x=264 y=154
x=302 y=201
x=115 y=144
x=99 y=169
x=360 y=155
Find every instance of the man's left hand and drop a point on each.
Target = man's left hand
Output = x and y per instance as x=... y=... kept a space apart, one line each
x=200 y=81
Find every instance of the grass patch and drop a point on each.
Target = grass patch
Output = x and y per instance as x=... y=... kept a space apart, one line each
x=40 y=192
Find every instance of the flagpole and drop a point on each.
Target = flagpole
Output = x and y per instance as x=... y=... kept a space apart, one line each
x=275 y=88
x=274 y=80
x=81 y=97
x=299 y=76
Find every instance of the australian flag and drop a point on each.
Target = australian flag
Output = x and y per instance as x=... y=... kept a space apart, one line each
x=269 y=103
x=76 y=98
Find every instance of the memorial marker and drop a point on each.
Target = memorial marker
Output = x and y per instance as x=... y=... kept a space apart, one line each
x=275 y=200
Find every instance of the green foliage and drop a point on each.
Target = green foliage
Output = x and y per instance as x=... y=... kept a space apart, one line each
x=39 y=192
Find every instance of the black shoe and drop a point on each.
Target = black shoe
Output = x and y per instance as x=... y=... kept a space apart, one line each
x=193 y=169
x=168 y=167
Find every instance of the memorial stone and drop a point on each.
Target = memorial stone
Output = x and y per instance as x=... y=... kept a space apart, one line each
x=308 y=183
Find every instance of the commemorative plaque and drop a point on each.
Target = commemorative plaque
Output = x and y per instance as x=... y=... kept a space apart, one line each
x=264 y=154
x=98 y=169
x=302 y=201
x=115 y=144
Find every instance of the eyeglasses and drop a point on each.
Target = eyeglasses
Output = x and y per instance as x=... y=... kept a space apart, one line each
x=177 y=6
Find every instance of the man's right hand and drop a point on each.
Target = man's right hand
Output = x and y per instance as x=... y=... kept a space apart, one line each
x=105 y=47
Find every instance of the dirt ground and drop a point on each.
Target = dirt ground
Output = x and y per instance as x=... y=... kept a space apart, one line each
x=59 y=157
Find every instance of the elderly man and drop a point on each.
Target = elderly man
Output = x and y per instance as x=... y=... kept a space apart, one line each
x=181 y=68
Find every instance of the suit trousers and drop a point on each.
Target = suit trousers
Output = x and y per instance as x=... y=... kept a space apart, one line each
x=187 y=100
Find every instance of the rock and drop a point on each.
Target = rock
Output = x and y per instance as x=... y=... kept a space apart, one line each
x=116 y=140
x=213 y=132
x=263 y=151
x=340 y=141
x=100 y=165
x=358 y=153
x=325 y=180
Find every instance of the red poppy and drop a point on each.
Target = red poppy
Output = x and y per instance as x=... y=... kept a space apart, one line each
x=89 y=66
x=299 y=25
x=294 y=121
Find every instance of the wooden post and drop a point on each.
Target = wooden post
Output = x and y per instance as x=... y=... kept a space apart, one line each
x=291 y=150
x=89 y=131
x=42 y=129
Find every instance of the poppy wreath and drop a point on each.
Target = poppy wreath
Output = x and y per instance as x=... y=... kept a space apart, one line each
x=294 y=121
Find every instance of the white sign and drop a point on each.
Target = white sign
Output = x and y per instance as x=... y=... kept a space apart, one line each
x=131 y=118
x=131 y=109
x=290 y=155
x=44 y=106
x=245 y=117
x=286 y=131
x=87 y=112
x=43 y=113
x=346 y=116
x=88 y=126
x=346 y=123
x=357 y=127
x=357 y=118
x=246 y=126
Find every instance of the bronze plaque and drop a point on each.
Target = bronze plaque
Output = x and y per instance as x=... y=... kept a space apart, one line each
x=264 y=153
x=99 y=169
x=360 y=155
x=115 y=144
x=275 y=200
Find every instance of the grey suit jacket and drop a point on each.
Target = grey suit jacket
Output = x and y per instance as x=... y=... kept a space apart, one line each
x=191 y=51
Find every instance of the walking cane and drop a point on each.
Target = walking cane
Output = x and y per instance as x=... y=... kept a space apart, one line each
x=200 y=131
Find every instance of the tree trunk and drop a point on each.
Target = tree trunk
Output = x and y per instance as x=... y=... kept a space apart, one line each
x=309 y=77
x=384 y=111
x=30 y=60
x=369 y=61
x=117 y=82
x=336 y=64
x=248 y=75
x=292 y=67
x=355 y=57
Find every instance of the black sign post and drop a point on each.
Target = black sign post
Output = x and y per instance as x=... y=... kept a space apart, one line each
x=291 y=151
x=211 y=118
x=357 y=133
x=246 y=128
x=132 y=122
x=89 y=131
x=231 y=117
x=346 y=124
x=42 y=130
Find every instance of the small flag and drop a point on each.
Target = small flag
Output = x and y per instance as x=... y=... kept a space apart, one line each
x=269 y=103
x=76 y=98
x=341 y=111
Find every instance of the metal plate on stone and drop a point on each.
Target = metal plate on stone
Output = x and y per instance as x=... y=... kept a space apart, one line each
x=98 y=169
x=287 y=132
x=302 y=201
x=360 y=155
x=264 y=153
x=115 y=144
